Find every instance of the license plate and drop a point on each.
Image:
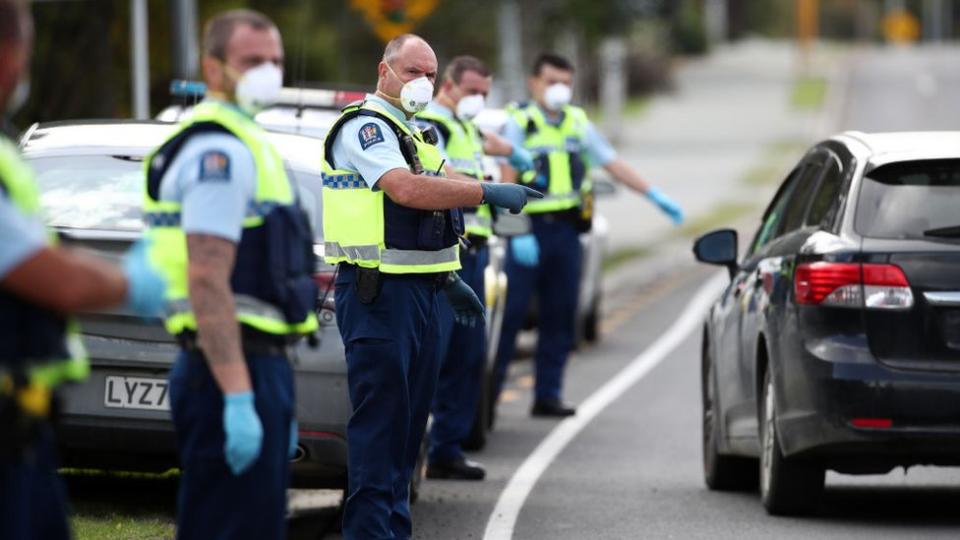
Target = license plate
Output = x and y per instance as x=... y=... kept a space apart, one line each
x=136 y=393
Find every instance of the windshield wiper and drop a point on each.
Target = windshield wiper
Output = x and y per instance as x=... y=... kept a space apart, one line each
x=945 y=232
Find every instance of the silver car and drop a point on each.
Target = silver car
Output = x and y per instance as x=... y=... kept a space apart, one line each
x=91 y=182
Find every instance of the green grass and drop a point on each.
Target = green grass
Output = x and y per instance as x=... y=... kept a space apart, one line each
x=778 y=160
x=723 y=214
x=121 y=505
x=809 y=93
x=634 y=108
x=113 y=526
x=622 y=256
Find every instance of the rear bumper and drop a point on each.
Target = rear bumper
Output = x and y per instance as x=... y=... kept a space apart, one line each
x=150 y=446
x=819 y=400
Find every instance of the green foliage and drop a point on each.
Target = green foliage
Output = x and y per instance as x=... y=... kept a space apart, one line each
x=689 y=35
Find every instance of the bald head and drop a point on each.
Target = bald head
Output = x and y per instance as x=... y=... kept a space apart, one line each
x=405 y=58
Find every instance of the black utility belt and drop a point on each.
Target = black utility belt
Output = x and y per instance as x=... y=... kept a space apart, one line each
x=253 y=342
x=369 y=281
x=571 y=215
x=575 y=216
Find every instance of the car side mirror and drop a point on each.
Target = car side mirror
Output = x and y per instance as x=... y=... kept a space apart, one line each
x=718 y=247
x=506 y=225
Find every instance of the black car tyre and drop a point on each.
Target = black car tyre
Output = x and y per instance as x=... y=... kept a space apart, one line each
x=788 y=487
x=721 y=472
x=591 y=323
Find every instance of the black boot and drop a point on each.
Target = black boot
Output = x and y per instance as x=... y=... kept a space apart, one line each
x=460 y=469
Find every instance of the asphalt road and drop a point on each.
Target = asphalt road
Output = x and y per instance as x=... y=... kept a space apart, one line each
x=634 y=470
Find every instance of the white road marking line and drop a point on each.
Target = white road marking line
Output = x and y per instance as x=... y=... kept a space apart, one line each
x=504 y=517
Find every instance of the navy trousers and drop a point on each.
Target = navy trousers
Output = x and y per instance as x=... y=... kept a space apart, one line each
x=461 y=372
x=33 y=502
x=393 y=357
x=556 y=280
x=213 y=503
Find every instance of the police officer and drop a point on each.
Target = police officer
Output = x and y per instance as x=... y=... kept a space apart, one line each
x=237 y=250
x=392 y=225
x=40 y=284
x=462 y=95
x=565 y=145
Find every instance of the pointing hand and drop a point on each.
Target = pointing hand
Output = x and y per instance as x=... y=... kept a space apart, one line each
x=513 y=197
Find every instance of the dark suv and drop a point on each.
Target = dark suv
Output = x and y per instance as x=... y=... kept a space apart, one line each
x=836 y=344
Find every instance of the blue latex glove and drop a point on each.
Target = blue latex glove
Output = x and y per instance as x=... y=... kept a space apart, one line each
x=146 y=287
x=520 y=159
x=292 y=450
x=666 y=204
x=243 y=430
x=513 y=197
x=468 y=310
x=525 y=250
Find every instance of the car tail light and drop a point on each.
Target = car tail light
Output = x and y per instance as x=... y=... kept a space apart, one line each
x=854 y=285
x=325 y=286
x=872 y=423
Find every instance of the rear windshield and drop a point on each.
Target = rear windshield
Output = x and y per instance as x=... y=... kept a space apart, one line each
x=910 y=199
x=106 y=192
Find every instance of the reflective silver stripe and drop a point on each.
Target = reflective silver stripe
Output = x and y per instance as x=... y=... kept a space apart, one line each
x=474 y=220
x=943 y=298
x=354 y=253
x=246 y=305
x=403 y=257
x=395 y=257
x=464 y=164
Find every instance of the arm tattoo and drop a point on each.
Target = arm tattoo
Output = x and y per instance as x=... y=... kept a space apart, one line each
x=210 y=265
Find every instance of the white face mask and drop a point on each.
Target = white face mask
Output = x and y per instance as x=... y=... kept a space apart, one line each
x=416 y=94
x=470 y=106
x=556 y=96
x=259 y=87
x=19 y=97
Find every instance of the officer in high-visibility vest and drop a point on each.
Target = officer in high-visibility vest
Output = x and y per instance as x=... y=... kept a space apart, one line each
x=41 y=284
x=392 y=224
x=236 y=247
x=565 y=145
x=462 y=95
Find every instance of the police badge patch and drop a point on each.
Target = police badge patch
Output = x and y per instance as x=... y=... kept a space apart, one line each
x=214 y=165
x=370 y=135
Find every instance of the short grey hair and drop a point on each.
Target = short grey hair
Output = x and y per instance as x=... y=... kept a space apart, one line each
x=392 y=49
x=218 y=30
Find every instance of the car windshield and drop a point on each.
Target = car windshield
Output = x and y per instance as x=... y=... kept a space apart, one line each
x=106 y=192
x=92 y=191
x=910 y=200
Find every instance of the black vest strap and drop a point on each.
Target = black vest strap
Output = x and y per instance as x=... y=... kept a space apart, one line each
x=166 y=154
x=360 y=111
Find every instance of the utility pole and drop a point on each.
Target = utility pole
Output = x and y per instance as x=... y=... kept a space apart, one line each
x=511 y=49
x=140 y=59
x=613 y=85
x=933 y=20
x=716 y=18
x=186 y=55
x=808 y=27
